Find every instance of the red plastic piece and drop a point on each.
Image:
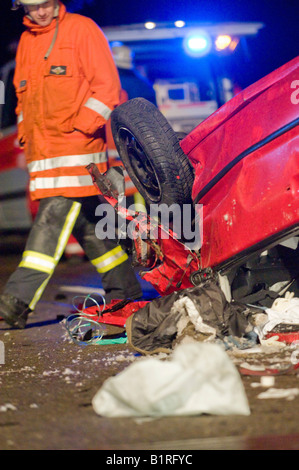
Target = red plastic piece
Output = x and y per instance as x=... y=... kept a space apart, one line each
x=288 y=338
x=117 y=317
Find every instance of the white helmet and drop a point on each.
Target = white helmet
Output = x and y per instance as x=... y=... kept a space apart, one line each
x=28 y=2
x=18 y=3
x=123 y=56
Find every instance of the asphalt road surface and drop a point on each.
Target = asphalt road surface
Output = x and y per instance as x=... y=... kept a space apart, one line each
x=47 y=383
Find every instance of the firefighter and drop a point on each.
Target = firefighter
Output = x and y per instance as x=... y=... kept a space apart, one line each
x=67 y=85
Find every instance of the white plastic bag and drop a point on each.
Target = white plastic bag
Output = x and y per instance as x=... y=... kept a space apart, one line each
x=199 y=378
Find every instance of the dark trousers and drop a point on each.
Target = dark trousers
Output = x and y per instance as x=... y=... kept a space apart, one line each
x=56 y=219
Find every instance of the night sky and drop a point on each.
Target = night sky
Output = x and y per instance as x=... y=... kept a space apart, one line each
x=276 y=44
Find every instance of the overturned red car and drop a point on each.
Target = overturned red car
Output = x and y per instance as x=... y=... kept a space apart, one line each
x=238 y=171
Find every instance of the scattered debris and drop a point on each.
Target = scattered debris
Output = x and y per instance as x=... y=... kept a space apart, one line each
x=7 y=407
x=193 y=318
x=51 y=372
x=279 y=369
x=289 y=393
x=267 y=381
x=281 y=317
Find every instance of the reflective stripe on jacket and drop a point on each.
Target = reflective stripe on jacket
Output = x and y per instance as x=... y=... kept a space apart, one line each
x=64 y=102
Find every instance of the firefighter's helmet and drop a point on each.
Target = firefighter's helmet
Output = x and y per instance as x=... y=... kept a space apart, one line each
x=123 y=56
x=17 y=3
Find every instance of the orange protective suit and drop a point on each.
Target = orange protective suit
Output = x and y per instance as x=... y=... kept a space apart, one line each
x=67 y=87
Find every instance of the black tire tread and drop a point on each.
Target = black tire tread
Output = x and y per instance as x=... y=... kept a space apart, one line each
x=160 y=143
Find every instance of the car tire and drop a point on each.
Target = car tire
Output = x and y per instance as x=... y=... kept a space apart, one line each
x=151 y=153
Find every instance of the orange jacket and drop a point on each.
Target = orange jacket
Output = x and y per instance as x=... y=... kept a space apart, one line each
x=64 y=102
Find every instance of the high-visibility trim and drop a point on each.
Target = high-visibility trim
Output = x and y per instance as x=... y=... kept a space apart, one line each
x=37 y=261
x=113 y=154
x=38 y=294
x=67 y=161
x=20 y=118
x=98 y=107
x=110 y=260
x=62 y=241
x=67 y=229
x=60 y=182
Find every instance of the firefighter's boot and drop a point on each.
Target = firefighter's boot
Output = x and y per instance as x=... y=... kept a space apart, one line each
x=13 y=311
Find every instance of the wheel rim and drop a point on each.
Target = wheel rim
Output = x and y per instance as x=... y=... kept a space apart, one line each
x=139 y=163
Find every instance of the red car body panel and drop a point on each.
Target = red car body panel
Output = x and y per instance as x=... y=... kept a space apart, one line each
x=10 y=153
x=246 y=160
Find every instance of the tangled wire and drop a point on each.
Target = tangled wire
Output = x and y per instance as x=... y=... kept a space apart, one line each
x=84 y=327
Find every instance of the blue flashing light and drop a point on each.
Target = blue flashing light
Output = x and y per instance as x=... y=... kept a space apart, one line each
x=197 y=44
x=116 y=44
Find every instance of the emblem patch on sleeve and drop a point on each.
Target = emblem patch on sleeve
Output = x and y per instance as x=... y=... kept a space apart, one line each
x=58 y=70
